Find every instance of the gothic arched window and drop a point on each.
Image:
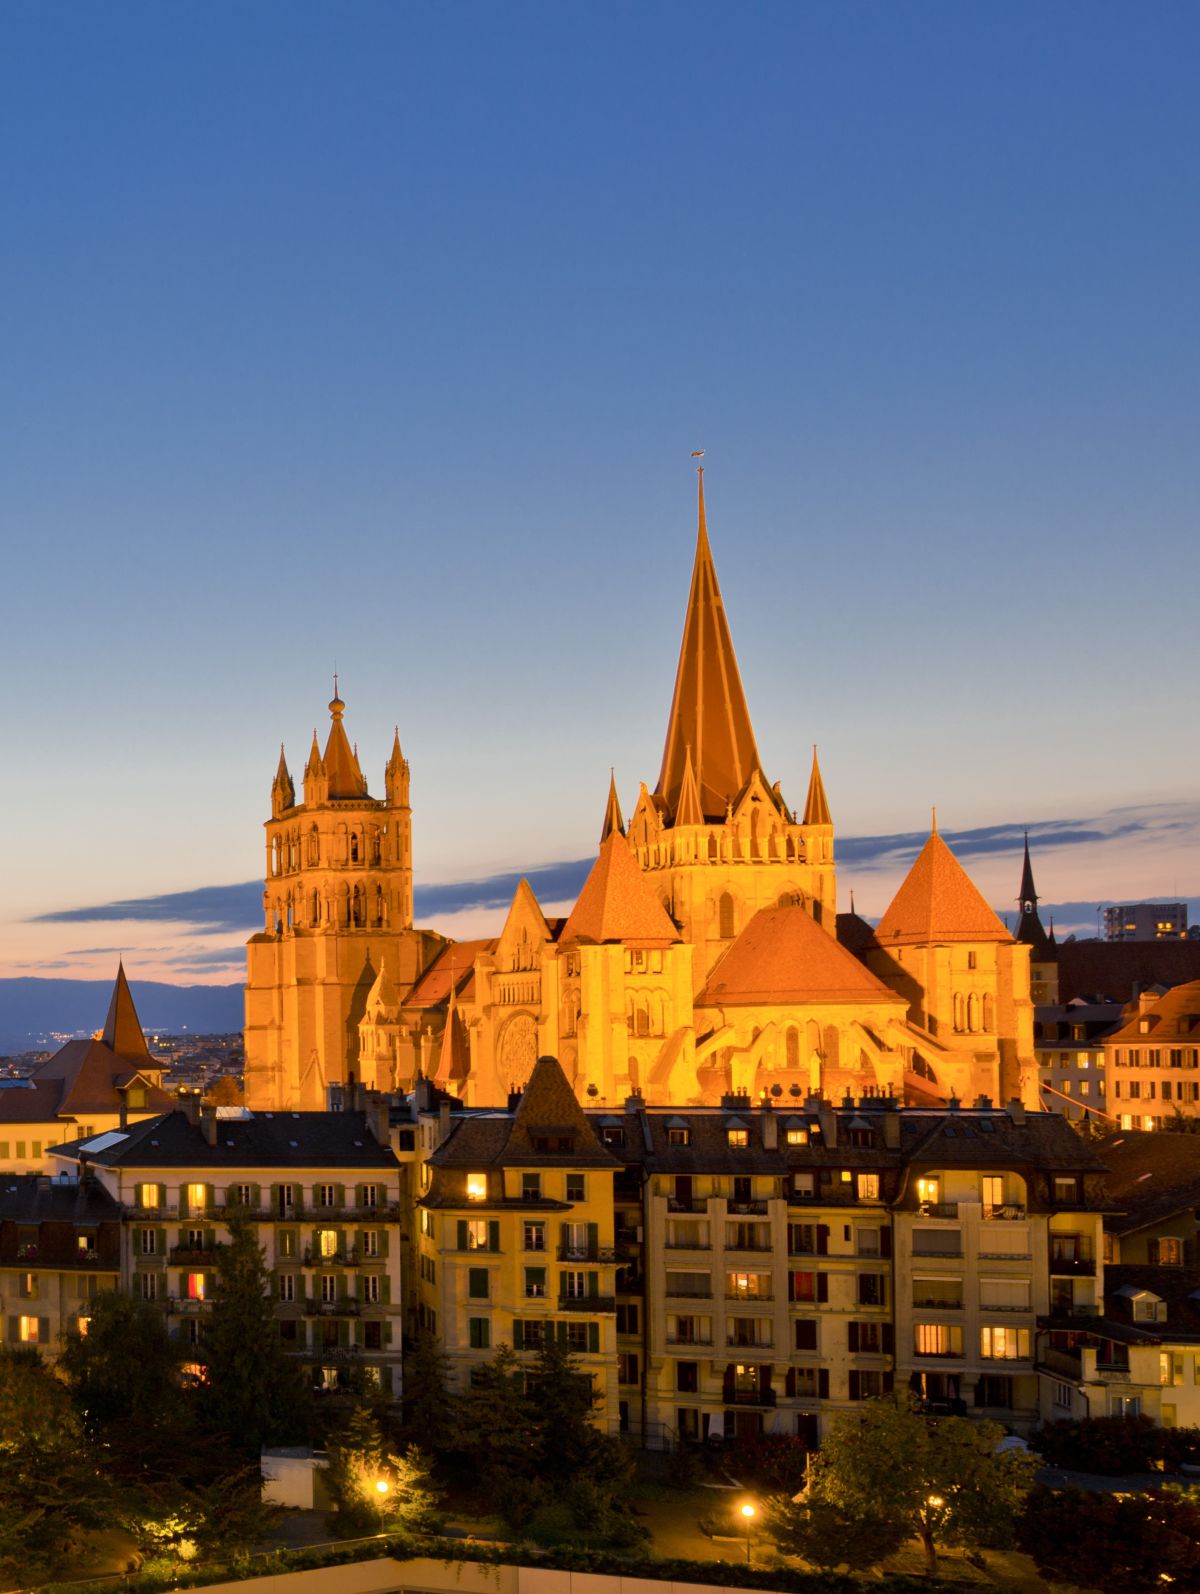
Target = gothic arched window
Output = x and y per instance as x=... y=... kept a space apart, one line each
x=725 y=917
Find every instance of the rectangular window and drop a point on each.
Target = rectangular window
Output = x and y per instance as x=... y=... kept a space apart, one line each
x=287 y=1286
x=195 y=1286
x=998 y=1343
x=737 y=1137
x=868 y=1187
x=628 y=1319
x=477 y=1234
x=478 y=1283
x=370 y=1195
x=937 y=1339
x=285 y=1243
x=370 y=1242
x=679 y=1136
x=866 y=1242
x=371 y=1288
x=535 y=1236
x=575 y=1239
x=326 y=1195
x=1063 y=1396
x=531 y=1187
x=197 y=1197
x=148 y=1197
x=27 y=1330
x=1066 y=1189
x=796 y=1137
x=627 y=1367
x=477 y=1187
x=1004 y=1295
x=149 y=1238
x=241 y=1195
x=572 y=1283
x=929 y=1189
x=748 y=1286
x=577 y=1336
x=803 y=1286
x=149 y=1286
x=327 y=1242
x=535 y=1283
x=328 y=1288
x=872 y=1289
x=479 y=1333
x=576 y=1185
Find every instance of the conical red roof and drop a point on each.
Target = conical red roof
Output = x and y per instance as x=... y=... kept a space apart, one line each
x=938 y=902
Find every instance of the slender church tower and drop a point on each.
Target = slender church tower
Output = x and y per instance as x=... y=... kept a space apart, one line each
x=716 y=841
x=1043 y=951
x=338 y=916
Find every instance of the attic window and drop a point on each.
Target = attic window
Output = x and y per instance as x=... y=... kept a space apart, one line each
x=612 y=1136
x=797 y=1137
x=679 y=1137
x=737 y=1137
x=477 y=1187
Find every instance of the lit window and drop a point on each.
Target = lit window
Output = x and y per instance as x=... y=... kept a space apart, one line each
x=928 y=1189
x=27 y=1330
x=195 y=1286
x=148 y=1195
x=1002 y=1343
x=797 y=1137
x=82 y=1324
x=327 y=1242
x=868 y=1187
x=477 y=1234
x=737 y=1137
x=197 y=1197
x=477 y=1187
x=679 y=1137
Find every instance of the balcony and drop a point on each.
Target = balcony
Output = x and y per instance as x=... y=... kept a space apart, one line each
x=592 y=1304
x=344 y=1307
x=747 y=1397
x=685 y=1340
x=1113 y=1372
x=697 y=1293
x=587 y=1253
x=749 y=1209
x=757 y=1246
x=1008 y=1213
x=931 y=1303
x=749 y=1300
x=193 y=1255
x=688 y=1245
x=343 y=1258
x=732 y=1342
x=687 y=1203
x=1076 y=1266
x=946 y=1210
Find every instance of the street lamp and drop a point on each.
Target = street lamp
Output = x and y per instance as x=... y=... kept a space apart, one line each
x=382 y=1486
x=748 y=1514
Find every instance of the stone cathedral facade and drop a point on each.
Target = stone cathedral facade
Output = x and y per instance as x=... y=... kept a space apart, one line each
x=705 y=954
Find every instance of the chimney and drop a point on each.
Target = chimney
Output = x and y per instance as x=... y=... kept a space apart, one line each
x=1146 y=1000
x=189 y=1100
x=443 y=1121
x=334 y=1099
x=85 y=1169
x=635 y=1102
x=514 y=1099
x=379 y=1120
x=829 y=1125
x=208 y=1123
x=983 y=1104
x=770 y=1128
x=122 y=1111
x=891 y=1128
x=1016 y=1111
x=953 y=1104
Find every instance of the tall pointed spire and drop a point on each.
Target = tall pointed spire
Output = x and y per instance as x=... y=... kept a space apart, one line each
x=816 y=809
x=1030 y=928
x=283 y=788
x=122 y=1028
x=708 y=711
x=612 y=812
x=341 y=763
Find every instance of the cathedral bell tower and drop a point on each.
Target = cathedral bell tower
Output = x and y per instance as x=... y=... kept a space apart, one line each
x=717 y=842
x=338 y=914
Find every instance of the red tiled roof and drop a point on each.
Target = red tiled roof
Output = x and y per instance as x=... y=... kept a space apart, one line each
x=937 y=901
x=1175 y=1016
x=452 y=964
x=783 y=955
x=617 y=904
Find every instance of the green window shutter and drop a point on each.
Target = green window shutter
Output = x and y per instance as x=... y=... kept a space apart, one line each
x=385 y=1289
x=518 y=1332
x=535 y=1276
x=387 y=1333
x=593 y=1283
x=275 y=1199
x=210 y=1198
x=161 y=1242
x=344 y=1334
x=162 y=1198
x=462 y=1234
x=256 y=1196
x=593 y=1234
x=494 y=1235
x=593 y=1337
x=358 y=1195
x=341 y=1239
x=13 y=1330
x=561 y=1333
x=383 y=1242
x=339 y=1194
x=562 y=1236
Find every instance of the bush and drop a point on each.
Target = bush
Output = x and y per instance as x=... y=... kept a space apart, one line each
x=1111 y=1446
x=773 y=1461
x=1120 y=1544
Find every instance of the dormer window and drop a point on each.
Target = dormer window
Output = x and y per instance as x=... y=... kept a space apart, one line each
x=796 y=1137
x=1066 y=1189
x=737 y=1137
x=679 y=1137
x=477 y=1187
x=1148 y=1308
x=612 y=1136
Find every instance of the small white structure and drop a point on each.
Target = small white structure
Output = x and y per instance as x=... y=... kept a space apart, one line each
x=290 y=1477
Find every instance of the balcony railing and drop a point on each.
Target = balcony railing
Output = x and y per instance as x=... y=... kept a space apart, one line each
x=587 y=1303
x=931 y=1304
x=748 y=1245
x=689 y=1339
x=687 y=1203
x=1009 y=1212
x=749 y=1300
x=192 y=1254
x=750 y=1209
x=1113 y=1372
x=747 y=1397
x=696 y=1293
x=346 y=1306
x=342 y=1258
x=732 y=1342
x=587 y=1253
x=1079 y=1266
x=938 y=1209
x=688 y=1245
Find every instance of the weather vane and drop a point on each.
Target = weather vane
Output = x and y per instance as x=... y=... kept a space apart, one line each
x=698 y=453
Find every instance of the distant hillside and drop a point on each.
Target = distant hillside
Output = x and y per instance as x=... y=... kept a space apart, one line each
x=32 y=1010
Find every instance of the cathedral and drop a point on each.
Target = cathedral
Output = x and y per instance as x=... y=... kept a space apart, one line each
x=705 y=955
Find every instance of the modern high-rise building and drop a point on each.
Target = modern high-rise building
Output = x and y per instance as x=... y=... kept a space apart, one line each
x=1146 y=921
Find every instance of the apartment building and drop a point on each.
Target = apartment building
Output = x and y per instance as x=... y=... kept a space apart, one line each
x=1068 y=1039
x=323 y=1191
x=1152 y=1062
x=60 y=1246
x=516 y=1232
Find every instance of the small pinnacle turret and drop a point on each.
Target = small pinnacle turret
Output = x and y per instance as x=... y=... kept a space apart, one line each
x=1030 y=929
x=613 y=820
x=816 y=809
x=283 y=788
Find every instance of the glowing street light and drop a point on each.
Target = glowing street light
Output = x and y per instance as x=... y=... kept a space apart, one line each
x=748 y=1514
x=382 y=1486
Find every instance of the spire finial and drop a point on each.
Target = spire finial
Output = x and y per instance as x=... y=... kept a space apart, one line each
x=613 y=820
x=816 y=807
x=336 y=706
x=935 y=829
x=702 y=528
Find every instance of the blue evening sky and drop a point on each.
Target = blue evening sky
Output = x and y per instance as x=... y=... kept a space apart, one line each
x=381 y=334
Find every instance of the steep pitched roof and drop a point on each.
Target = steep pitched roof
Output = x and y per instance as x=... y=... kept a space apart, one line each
x=122 y=1028
x=937 y=901
x=1175 y=1016
x=612 y=811
x=816 y=809
x=1116 y=968
x=263 y=1139
x=547 y=1110
x=708 y=710
x=688 y=808
x=783 y=955
x=1152 y=1175
x=453 y=964
x=341 y=762
x=454 y=1054
x=1030 y=929
x=617 y=904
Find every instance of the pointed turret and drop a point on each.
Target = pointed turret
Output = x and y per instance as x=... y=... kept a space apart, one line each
x=341 y=762
x=617 y=904
x=687 y=807
x=1030 y=928
x=938 y=901
x=316 y=787
x=283 y=788
x=613 y=822
x=396 y=775
x=122 y=1028
x=454 y=1055
x=816 y=809
x=708 y=711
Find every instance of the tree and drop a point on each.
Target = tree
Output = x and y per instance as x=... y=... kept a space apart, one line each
x=253 y=1393
x=372 y=1489
x=943 y=1480
x=429 y=1407
x=1121 y=1544
x=828 y=1536
x=123 y=1372
x=496 y=1421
